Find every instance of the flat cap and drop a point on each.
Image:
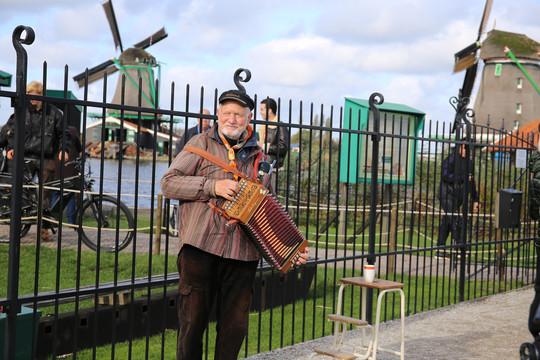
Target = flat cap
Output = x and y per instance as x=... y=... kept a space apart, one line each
x=238 y=96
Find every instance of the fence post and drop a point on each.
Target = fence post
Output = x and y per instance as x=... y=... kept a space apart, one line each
x=465 y=213
x=159 y=221
x=19 y=103
x=463 y=114
x=374 y=99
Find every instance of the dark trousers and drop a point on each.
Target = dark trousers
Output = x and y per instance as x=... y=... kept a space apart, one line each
x=48 y=174
x=450 y=224
x=451 y=221
x=205 y=279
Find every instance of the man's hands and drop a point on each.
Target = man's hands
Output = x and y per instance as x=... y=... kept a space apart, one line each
x=303 y=257
x=227 y=188
x=66 y=156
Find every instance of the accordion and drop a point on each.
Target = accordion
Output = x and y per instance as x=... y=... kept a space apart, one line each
x=268 y=224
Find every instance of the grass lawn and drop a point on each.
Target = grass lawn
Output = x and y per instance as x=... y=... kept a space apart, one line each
x=269 y=329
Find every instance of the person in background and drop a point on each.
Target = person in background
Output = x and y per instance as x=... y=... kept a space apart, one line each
x=457 y=173
x=70 y=170
x=273 y=139
x=216 y=262
x=202 y=126
x=534 y=213
x=55 y=140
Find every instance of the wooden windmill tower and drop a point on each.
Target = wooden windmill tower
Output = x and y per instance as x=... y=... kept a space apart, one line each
x=132 y=63
x=508 y=89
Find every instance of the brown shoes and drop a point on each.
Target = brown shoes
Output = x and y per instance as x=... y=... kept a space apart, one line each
x=46 y=235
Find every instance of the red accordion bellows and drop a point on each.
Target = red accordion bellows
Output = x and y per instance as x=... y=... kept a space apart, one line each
x=269 y=225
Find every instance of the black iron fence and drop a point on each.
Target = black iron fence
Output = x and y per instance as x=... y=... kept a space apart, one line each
x=362 y=182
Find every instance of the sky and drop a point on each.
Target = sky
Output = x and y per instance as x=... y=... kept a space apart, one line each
x=310 y=51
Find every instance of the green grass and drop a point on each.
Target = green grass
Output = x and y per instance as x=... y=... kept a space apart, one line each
x=294 y=323
x=269 y=329
x=125 y=267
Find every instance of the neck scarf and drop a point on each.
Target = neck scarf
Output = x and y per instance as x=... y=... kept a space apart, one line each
x=231 y=149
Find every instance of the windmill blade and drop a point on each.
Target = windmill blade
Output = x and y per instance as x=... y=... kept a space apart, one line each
x=468 y=82
x=485 y=17
x=466 y=57
x=152 y=39
x=95 y=73
x=109 y=12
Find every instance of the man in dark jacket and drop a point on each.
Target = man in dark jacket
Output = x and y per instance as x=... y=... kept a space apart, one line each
x=457 y=174
x=272 y=138
x=202 y=126
x=55 y=138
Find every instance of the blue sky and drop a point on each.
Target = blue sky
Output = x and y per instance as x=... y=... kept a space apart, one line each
x=312 y=51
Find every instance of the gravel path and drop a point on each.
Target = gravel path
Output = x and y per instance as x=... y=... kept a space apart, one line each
x=493 y=327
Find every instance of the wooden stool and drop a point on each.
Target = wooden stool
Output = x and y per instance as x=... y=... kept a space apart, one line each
x=361 y=351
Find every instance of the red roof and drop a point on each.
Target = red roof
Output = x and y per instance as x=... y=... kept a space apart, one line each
x=519 y=138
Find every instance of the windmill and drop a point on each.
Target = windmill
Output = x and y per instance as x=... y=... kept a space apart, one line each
x=467 y=59
x=132 y=62
x=508 y=94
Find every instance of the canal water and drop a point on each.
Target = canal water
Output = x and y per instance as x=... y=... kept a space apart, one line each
x=148 y=178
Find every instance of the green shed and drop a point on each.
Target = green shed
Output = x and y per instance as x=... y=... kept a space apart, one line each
x=5 y=79
x=397 y=152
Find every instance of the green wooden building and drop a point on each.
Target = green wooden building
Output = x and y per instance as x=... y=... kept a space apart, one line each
x=397 y=154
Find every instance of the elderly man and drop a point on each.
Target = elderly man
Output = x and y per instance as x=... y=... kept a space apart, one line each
x=202 y=126
x=215 y=261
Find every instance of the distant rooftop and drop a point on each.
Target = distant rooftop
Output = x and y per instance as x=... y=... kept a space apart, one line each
x=386 y=106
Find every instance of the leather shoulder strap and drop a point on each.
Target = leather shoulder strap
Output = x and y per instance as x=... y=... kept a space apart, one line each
x=213 y=158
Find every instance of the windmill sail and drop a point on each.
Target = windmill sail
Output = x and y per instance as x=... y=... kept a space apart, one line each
x=109 y=12
x=152 y=39
x=467 y=58
x=95 y=73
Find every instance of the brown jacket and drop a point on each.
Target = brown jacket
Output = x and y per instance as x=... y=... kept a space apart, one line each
x=191 y=179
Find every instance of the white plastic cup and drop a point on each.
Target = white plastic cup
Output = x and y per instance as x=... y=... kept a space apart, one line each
x=369 y=273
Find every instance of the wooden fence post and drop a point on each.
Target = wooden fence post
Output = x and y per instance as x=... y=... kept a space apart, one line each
x=393 y=240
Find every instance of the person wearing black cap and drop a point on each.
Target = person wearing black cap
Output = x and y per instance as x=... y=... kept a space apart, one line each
x=217 y=261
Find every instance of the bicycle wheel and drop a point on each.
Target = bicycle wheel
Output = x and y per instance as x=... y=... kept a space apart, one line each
x=108 y=222
x=5 y=230
x=27 y=211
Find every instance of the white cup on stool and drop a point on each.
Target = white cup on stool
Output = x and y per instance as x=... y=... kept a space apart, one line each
x=369 y=273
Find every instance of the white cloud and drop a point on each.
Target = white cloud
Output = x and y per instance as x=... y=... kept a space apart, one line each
x=312 y=51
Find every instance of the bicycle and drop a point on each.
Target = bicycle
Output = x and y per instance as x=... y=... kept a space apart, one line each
x=102 y=221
